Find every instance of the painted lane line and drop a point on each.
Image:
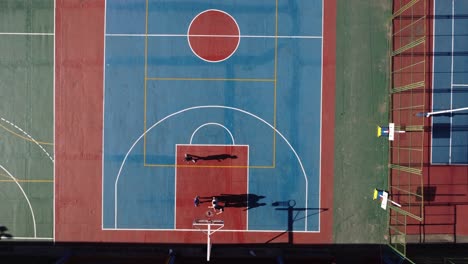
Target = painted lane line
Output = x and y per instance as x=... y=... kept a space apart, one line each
x=212 y=36
x=25 y=34
x=32 y=139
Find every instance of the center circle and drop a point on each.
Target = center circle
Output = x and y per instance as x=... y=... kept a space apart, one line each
x=213 y=35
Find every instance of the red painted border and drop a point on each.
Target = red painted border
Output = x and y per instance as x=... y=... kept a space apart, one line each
x=78 y=119
x=328 y=118
x=78 y=132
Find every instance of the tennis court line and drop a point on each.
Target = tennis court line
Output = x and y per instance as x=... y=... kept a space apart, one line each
x=211 y=36
x=460 y=84
x=27 y=34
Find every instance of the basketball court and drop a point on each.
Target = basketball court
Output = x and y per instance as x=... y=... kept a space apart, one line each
x=228 y=100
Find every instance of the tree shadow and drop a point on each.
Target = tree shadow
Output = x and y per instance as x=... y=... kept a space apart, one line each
x=293 y=216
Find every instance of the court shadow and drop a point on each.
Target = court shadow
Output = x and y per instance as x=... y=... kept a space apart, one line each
x=429 y=194
x=292 y=214
x=247 y=200
x=4 y=234
x=443 y=130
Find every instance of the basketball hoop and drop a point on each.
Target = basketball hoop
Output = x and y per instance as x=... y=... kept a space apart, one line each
x=208 y=227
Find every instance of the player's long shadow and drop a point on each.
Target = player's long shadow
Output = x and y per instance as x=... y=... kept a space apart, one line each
x=247 y=200
x=3 y=232
x=218 y=157
x=289 y=206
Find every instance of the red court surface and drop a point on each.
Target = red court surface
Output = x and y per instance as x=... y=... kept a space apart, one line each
x=203 y=179
x=79 y=127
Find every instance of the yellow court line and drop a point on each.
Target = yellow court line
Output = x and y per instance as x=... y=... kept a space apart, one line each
x=208 y=166
x=37 y=181
x=145 y=85
x=274 y=80
x=275 y=83
x=6 y=176
x=211 y=79
x=25 y=138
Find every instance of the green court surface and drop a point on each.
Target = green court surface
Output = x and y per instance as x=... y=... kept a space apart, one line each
x=361 y=104
x=26 y=118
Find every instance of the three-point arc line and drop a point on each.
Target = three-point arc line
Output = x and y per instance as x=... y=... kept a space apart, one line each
x=32 y=139
x=207 y=107
x=25 y=196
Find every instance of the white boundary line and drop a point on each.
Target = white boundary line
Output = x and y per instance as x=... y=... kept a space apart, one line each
x=433 y=63
x=211 y=36
x=242 y=36
x=53 y=122
x=196 y=230
x=321 y=112
x=103 y=112
x=451 y=82
x=25 y=196
x=26 y=33
x=210 y=107
x=460 y=84
x=27 y=238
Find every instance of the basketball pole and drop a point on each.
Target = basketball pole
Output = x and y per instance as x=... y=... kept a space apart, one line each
x=218 y=224
x=208 y=244
x=428 y=114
